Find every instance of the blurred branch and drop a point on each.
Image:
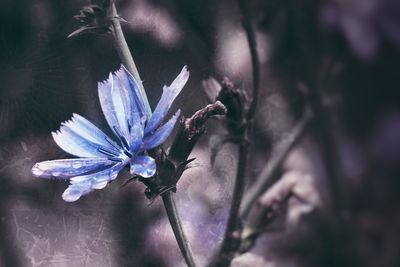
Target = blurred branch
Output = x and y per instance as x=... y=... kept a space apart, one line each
x=255 y=62
x=231 y=241
x=329 y=151
x=275 y=202
x=270 y=172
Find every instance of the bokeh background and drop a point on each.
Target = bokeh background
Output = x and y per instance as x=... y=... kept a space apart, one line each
x=345 y=50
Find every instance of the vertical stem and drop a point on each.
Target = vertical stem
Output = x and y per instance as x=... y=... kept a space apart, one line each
x=127 y=60
x=125 y=55
x=231 y=241
x=255 y=62
x=172 y=212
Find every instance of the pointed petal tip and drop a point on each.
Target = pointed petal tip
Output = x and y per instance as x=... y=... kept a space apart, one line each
x=177 y=113
x=184 y=74
x=123 y=68
x=75 y=115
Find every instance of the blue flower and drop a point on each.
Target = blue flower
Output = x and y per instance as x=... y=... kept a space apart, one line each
x=100 y=158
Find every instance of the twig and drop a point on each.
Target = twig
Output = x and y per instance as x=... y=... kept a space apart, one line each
x=329 y=152
x=269 y=174
x=170 y=208
x=255 y=62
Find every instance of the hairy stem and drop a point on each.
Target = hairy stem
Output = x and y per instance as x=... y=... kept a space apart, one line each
x=125 y=55
x=172 y=212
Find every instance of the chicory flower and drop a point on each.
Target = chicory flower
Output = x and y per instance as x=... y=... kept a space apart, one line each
x=100 y=158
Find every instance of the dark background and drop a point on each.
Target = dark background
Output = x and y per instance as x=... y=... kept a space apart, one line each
x=347 y=52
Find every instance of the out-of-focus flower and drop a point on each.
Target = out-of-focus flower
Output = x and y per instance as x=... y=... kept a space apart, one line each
x=101 y=158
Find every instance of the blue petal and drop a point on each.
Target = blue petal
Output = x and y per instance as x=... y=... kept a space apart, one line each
x=141 y=101
x=75 y=145
x=136 y=136
x=122 y=103
x=144 y=166
x=168 y=96
x=75 y=191
x=113 y=103
x=89 y=131
x=82 y=185
x=66 y=168
x=162 y=133
x=74 y=140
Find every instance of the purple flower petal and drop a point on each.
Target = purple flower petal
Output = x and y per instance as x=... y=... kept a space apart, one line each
x=141 y=103
x=113 y=103
x=161 y=134
x=168 y=96
x=66 y=168
x=75 y=144
x=144 y=166
x=136 y=136
x=89 y=131
x=82 y=185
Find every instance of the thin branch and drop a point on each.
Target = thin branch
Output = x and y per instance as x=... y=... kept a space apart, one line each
x=255 y=62
x=327 y=144
x=170 y=208
x=269 y=174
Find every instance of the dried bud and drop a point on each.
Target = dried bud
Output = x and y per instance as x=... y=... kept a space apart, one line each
x=234 y=100
x=96 y=18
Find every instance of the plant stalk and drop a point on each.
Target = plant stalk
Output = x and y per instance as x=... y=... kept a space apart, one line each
x=125 y=55
x=172 y=213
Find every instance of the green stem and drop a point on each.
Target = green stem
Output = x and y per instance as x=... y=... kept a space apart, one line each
x=126 y=57
x=172 y=212
x=127 y=60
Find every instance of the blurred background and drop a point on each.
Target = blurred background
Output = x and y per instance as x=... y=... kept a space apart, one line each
x=338 y=57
